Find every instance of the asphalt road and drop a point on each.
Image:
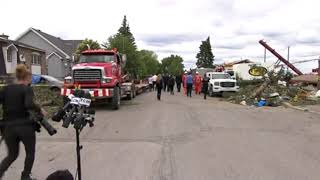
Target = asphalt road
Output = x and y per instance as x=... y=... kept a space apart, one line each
x=182 y=138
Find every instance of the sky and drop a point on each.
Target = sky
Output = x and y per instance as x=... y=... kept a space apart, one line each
x=178 y=26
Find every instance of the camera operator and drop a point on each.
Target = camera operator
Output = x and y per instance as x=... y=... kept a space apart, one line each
x=17 y=101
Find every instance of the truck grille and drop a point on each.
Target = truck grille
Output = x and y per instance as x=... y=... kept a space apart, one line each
x=227 y=84
x=87 y=75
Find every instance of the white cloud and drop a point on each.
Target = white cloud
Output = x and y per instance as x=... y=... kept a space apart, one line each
x=179 y=26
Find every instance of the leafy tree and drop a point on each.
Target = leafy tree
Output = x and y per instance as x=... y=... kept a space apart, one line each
x=124 y=30
x=172 y=65
x=85 y=44
x=205 y=56
x=125 y=43
x=150 y=62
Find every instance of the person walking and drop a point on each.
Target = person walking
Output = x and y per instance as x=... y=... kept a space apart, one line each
x=171 y=83
x=150 y=81
x=154 y=80
x=184 y=82
x=159 y=86
x=17 y=102
x=189 y=80
x=178 y=82
x=205 y=86
x=165 y=79
x=197 y=83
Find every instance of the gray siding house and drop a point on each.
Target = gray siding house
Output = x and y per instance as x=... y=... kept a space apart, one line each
x=59 y=52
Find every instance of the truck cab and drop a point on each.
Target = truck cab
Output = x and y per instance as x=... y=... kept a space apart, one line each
x=100 y=73
x=221 y=82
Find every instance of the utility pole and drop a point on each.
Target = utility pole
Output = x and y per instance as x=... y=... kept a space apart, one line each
x=265 y=55
x=288 y=57
x=319 y=73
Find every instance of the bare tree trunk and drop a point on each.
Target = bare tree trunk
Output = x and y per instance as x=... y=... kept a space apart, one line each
x=258 y=91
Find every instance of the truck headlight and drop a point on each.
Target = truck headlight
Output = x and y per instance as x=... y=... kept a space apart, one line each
x=68 y=80
x=106 y=80
x=217 y=83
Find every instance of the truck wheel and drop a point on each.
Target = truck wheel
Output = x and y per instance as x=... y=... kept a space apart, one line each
x=116 y=98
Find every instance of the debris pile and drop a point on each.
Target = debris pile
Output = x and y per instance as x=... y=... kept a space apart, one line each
x=272 y=93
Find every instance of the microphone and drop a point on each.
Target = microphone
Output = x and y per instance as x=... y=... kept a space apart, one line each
x=74 y=105
x=62 y=112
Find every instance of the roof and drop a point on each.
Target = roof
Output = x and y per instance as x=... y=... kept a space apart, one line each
x=19 y=44
x=65 y=48
x=98 y=51
x=238 y=62
x=306 y=78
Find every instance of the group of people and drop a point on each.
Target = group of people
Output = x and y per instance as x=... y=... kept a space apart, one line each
x=167 y=82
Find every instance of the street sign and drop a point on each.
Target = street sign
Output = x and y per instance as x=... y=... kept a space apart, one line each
x=258 y=71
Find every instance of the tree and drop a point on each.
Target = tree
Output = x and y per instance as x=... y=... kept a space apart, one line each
x=172 y=65
x=124 y=30
x=84 y=45
x=205 y=56
x=150 y=62
x=125 y=43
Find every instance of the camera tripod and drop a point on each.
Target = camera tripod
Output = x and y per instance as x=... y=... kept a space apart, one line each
x=78 y=149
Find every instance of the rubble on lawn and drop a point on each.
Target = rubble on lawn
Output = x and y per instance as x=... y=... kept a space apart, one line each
x=272 y=93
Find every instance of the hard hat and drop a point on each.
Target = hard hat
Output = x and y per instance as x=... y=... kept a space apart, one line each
x=197 y=72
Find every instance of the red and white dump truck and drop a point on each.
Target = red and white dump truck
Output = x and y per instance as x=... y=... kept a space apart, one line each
x=100 y=73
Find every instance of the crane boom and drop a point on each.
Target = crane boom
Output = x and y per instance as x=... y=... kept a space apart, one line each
x=291 y=66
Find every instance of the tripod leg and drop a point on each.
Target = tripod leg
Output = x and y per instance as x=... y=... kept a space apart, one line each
x=78 y=154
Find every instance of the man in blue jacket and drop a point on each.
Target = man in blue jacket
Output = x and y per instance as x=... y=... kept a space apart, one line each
x=189 y=80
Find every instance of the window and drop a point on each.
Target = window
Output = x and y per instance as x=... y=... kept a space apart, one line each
x=9 y=55
x=36 y=59
x=96 y=58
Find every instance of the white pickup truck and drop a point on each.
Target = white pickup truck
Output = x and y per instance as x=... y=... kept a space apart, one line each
x=221 y=82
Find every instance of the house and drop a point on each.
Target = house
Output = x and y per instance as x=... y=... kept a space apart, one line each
x=13 y=53
x=59 y=53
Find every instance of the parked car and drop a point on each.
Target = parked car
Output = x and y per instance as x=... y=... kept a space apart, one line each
x=53 y=83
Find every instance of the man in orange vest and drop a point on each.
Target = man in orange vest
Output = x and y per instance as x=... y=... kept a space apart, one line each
x=184 y=79
x=197 y=83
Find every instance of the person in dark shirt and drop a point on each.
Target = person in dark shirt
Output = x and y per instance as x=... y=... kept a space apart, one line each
x=17 y=101
x=178 y=82
x=205 y=86
x=171 y=84
x=165 y=79
x=159 y=86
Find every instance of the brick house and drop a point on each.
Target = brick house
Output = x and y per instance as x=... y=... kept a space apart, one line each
x=13 y=53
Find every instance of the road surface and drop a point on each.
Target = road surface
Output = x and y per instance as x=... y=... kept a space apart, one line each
x=182 y=138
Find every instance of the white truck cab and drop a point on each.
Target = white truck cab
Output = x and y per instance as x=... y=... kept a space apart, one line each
x=221 y=82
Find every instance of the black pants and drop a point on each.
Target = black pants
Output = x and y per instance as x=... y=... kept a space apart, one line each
x=159 y=93
x=13 y=136
x=150 y=87
x=178 y=87
x=189 y=90
x=165 y=87
x=205 y=92
x=171 y=89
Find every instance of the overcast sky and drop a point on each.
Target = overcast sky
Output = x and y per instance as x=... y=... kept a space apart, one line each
x=178 y=26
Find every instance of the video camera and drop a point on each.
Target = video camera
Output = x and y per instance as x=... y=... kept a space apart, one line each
x=39 y=118
x=76 y=111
